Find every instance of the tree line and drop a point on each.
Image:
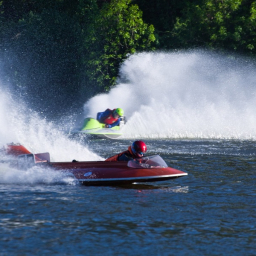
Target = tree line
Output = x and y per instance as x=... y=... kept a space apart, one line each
x=58 y=53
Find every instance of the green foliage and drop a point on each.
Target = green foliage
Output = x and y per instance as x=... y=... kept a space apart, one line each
x=57 y=52
x=43 y=49
x=118 y=31
x=217 y=24
x=228 y=24
x=60 y=48
x=162 y=14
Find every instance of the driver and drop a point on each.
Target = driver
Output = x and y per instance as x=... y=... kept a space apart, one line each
x=136 y=150
x=110 y=117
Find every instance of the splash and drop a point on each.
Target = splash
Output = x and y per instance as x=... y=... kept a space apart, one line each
x=19 y=124
x=34 y=175
x=184 y=95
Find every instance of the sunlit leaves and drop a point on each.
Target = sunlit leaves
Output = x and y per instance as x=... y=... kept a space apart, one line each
x=220 y=24
x=119 y=30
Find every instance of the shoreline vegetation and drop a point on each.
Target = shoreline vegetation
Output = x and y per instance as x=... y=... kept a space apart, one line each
x=56 y=54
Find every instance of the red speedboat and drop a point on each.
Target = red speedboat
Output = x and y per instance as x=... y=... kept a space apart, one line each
x=146 y=169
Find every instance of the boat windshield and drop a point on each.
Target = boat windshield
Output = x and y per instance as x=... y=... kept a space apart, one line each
x=155 y=161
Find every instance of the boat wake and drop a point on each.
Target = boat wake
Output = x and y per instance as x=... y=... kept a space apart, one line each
x=34 y=175
x=184 y=95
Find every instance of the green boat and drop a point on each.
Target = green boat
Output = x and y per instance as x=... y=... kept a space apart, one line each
x=93 y=127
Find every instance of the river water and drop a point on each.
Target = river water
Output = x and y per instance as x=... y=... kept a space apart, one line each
x=209 y=212
x=196 y=110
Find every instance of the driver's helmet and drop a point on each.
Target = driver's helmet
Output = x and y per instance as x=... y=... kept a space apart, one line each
x=118 y=112
x=139 y=148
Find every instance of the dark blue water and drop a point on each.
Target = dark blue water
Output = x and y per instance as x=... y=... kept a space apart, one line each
x=209 y=212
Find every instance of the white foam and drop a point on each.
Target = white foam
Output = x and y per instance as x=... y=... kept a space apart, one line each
x=184 y=95
x=34 y=175
x=21 y=125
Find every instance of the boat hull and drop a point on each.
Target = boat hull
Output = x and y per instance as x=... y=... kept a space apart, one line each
x=102 y=133
x=94 y=128
x=115 y=173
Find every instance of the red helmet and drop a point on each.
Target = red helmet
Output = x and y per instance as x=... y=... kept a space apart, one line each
x=139 y=148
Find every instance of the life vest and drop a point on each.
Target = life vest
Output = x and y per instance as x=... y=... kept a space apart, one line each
x=110 y=118
x=115 y=158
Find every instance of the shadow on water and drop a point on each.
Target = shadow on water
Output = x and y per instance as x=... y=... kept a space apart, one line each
x=142 y=186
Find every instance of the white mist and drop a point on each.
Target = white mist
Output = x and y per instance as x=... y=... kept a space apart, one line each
x=19 y=124
x=184 y=95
